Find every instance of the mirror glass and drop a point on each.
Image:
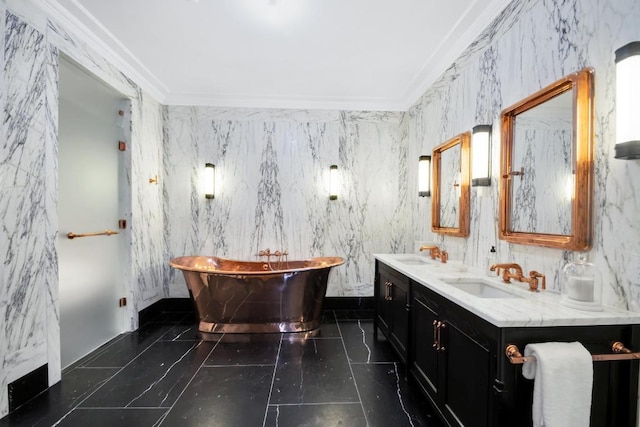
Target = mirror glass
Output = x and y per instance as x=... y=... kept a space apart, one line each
x=547 y=166
x=451 y=175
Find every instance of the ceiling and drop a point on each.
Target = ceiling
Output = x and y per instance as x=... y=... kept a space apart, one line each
x=328 y=54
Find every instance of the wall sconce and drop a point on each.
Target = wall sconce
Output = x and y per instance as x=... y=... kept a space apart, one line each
x=333 y=182
x=424 y=176
x=209 y=180
x=628 y=102
x=481 y=156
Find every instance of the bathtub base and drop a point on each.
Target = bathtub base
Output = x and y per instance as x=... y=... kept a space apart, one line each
x=210 y=331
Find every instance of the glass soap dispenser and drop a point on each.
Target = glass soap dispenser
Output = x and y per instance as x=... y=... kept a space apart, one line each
x=581 y=285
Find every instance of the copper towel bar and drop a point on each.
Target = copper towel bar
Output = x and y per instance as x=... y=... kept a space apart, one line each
x=72 y=235
x=619 y=350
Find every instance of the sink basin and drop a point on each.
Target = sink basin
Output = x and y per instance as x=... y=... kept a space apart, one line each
x=479 y=288
x=412 y=261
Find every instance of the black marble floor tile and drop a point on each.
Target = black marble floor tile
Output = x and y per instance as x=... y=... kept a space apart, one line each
x=155 y=378
x=123 y=349
x=50 y=406
x=254 y=350
x=317 y=415
x=172 y=317
x=361 y=346
x=387 y=398
x=223 y=396
x=182 y=332
x=99 y=417
x=313 y=371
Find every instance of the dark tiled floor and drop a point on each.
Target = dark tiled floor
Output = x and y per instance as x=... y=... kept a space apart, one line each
x=162 y=375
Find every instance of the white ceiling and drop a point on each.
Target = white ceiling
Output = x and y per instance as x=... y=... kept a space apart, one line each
x=336 y=54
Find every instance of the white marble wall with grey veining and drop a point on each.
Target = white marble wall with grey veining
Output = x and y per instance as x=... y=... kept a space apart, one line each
x=26 y=207
x=531 y=45
x=272 y=188
x=29 y=330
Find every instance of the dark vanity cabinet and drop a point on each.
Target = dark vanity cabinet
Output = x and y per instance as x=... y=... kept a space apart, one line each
x=392 y=308
x=457 y=358
x=452 y=359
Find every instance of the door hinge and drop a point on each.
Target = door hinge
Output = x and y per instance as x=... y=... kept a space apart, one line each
x=122 y=224
x=122 y=302
x=122 y=146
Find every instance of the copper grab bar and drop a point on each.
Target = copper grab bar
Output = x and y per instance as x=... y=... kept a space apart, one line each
x=620 y=353
x=72 y=235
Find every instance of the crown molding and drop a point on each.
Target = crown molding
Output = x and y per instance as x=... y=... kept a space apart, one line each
x=122 y=59
x=311 y=103
x=451 y=49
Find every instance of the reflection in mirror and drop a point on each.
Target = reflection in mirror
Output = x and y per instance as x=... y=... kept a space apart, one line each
x=547 y=166
x=450 y=187
x=450 y=205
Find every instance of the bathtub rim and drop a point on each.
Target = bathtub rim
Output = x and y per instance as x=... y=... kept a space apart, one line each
x=318 y=263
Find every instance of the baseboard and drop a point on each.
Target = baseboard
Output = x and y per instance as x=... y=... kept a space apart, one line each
x=27 y=387
x=348 y=303
x=165 y=305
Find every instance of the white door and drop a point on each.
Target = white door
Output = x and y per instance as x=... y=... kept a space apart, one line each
x=88 y=158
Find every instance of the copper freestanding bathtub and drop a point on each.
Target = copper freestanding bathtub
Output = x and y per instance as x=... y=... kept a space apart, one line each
x=261 y=296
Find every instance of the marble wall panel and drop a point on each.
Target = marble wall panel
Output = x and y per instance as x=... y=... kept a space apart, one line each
x=272 y=188
x=532 y=44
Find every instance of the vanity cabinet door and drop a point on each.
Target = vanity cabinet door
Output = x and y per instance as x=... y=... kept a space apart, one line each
x=424 y=360
x=400 y=316
x=392 y=308
x=465 y=372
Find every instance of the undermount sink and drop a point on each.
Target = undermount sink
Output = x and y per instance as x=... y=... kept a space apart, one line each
x=413 y=261
x=479 y=288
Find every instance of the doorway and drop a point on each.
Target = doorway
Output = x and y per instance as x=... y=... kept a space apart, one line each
x=90 y=271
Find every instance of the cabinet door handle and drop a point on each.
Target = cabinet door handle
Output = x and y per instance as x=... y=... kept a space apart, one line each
x=388 y=296
x=441 y=326
x=435 y=334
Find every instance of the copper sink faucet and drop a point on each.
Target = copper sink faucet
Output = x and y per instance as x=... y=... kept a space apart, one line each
x=507 y=275
x=435 y=252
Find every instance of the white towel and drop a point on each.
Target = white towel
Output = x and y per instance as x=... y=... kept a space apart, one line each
x=563 y=381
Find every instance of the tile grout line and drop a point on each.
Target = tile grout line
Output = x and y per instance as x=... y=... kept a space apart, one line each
x=355 y=383
x=163 y=417
x=108 y=379
x=273 y=379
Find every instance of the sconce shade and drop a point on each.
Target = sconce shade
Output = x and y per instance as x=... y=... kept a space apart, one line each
x=481 y=156
x=424 y=176
x=628 y=102
x=333 y=182
x=209 y=180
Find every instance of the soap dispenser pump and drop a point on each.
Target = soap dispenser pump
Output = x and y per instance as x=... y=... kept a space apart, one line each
x=492 y=258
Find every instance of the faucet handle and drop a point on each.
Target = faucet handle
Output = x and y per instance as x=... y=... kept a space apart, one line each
x=534 y=275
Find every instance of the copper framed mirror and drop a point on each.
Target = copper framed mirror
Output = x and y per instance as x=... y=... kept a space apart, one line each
x=546 y=185
x=451 y=179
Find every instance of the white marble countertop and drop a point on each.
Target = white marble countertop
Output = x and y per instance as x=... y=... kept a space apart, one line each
x=525 y=309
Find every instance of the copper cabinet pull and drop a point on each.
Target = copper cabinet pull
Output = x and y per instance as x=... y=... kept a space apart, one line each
x=440 y=328
x=388 y=296
x=435 y=334
x=72 y=235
